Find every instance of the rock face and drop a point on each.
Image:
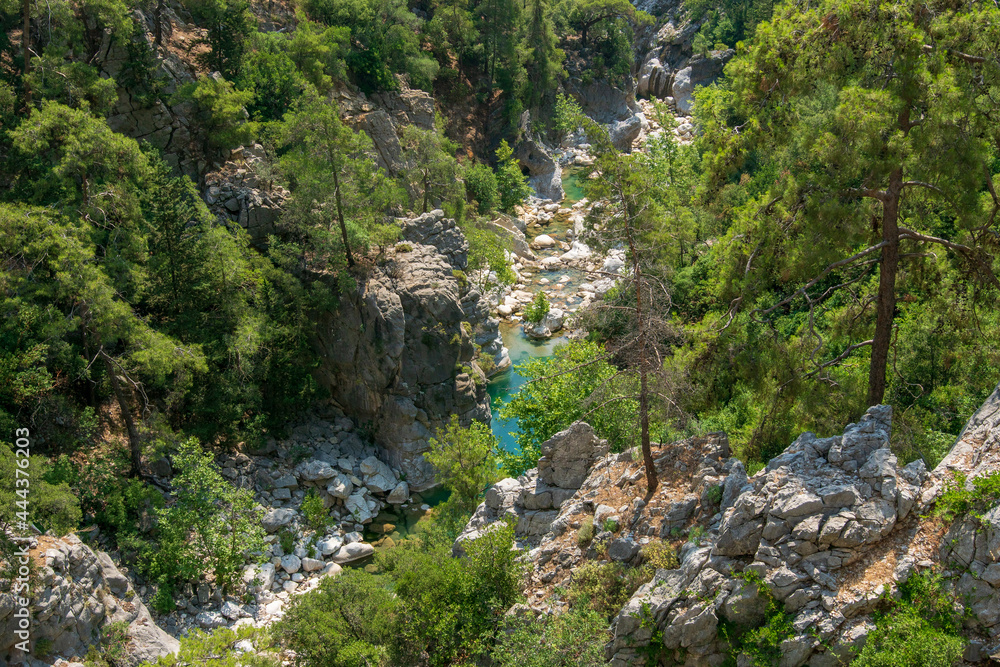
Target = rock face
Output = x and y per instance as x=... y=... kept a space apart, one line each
x=670 y=69
x=381 y=115
x=612 y=107
x=533 y=500
x=544 y=173
x=237 y=193
x=173 y=128
x=827 y=527
x=400 y=351
x=79 y=592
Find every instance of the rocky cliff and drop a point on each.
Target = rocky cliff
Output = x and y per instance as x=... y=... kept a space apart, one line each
x=78 y=592
x=670 y=70
x=406 y=349
x=827 y=529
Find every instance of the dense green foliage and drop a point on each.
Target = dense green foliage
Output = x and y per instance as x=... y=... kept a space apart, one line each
x=462 y=459
x=211 y=525
x=539 y=307
x=957 y=499
x=52 y=506
x=423 y=603
x=572 y=639
x=556 y=395
x=922 y=629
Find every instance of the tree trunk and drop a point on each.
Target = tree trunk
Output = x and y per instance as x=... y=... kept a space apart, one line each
x=427 y=188
x=134 y=444
x=26 y=47
x=340 y=218
x=886 y=309
x=157 y=22
x=647 y=453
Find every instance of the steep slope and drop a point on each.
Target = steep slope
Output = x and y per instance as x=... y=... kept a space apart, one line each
x=827 y=529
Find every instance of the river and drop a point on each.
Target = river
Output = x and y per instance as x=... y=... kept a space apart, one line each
x=505 y=385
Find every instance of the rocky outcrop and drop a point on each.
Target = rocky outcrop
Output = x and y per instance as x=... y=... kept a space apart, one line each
x=671 y=71
x=240 y=193
x=612 y=107
x=827 y=529
x=533 y=500
x=78 y=592
x=168 y=125
x=382 y=115
x=400 y=351
x=544 y=173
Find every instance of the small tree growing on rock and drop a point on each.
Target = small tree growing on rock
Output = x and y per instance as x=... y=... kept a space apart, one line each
x=538 y=309
x=211 y=523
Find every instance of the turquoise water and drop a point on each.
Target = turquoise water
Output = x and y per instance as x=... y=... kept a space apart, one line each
x=521 y=348
x=572 y=182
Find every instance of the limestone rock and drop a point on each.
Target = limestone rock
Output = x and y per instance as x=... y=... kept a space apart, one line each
x=353 y=552
x=377 y=476
x=567 y=456
x=399 y=495
x=389 y=352
x=276 y=519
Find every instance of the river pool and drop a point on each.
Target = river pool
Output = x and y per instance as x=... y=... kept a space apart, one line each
x=505 y=385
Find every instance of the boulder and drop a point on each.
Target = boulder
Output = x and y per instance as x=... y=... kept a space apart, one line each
x=291 y=563
x=340 y=486
x=377 y=476
x=568 y=455
x=315 y=471
x=312 y=564
x=209 y=620
x=352 y=552
x=276 y=519
x=399 y=495
x=329 y=545
x=259 y=577
x=544 y=241
x=357 y=507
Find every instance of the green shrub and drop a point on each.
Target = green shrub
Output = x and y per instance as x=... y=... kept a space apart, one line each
x=760 y=643
x=572 y=639
x=659 y=555
x=537 y=309
x=211 y=524
x=481 y=188
x=51 y=506
x=218 y=649
x=605 y=587
x=425 y=607
x=715 y=494
x=511 y=183
x=286 y=540
x=463 y=460
x=585 y=534
x=921 y=629
x=905 y=639
x=112 y=649
x=346 y=621
x=610 y=525
x=957 y=500
x=314 y=510
x=222 y=110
